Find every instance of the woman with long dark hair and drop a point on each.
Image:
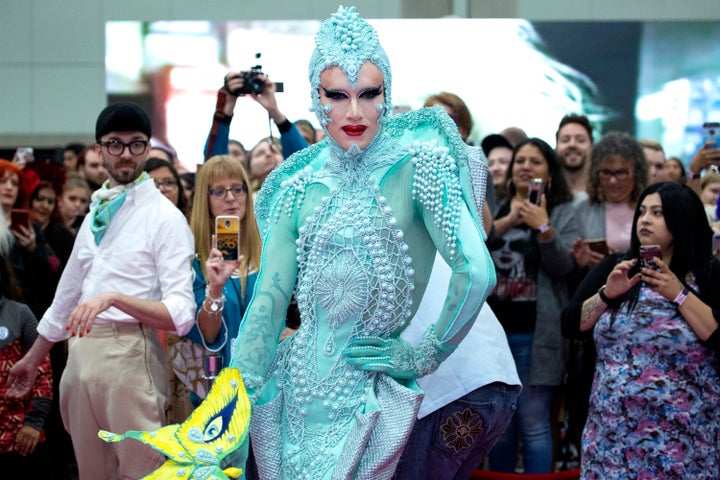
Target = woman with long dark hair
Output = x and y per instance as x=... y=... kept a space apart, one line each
x=653 y=405
x=531 y=252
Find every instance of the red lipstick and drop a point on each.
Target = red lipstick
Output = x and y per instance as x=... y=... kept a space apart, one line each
x=354 y=130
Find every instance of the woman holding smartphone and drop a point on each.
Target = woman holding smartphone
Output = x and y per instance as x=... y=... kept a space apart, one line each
x=222 y=287
x=531 y=252
x=653 y=405
x=22 y=241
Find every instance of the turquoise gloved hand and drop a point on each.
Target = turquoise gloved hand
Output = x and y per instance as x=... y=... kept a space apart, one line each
x=395 y=356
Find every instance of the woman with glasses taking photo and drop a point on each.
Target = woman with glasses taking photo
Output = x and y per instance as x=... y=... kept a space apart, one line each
x=222 y=287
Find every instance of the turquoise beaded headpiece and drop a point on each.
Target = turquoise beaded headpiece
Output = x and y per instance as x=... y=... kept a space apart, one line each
x=347 y=41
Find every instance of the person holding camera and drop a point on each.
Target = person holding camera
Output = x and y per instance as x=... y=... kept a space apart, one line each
x=707 y=158
x=656 y=386
x=534 y=229
x=261 y=89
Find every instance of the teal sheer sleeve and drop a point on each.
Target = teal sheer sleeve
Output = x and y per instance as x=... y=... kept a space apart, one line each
x=448 y=184
x=265 y=317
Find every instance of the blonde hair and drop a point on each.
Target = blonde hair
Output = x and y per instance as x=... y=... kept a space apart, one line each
x=222 y=167
x=708 y=178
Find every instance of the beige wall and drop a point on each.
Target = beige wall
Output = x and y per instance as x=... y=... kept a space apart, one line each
x=52 y=74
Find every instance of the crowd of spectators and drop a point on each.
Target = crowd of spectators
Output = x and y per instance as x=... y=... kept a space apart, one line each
x=563 y=244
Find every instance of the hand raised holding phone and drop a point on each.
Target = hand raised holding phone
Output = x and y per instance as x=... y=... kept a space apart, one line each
x=22 y=229
x=218 y=270
x=227 y=234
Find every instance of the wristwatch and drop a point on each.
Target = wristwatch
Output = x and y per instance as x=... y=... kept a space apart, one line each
x=690 y=174
x=544 y=228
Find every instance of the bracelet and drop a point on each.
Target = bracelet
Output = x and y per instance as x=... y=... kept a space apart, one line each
x=216 y=304
x=681 y=297
x=544 y=228
x=691 y=175
x=613 y=303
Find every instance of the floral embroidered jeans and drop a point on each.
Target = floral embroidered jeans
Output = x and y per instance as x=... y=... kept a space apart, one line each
x=452 y=442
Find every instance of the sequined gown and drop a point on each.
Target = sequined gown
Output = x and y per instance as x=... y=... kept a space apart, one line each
x=356 y=233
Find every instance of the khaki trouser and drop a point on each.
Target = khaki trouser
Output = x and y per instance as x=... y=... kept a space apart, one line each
x=116 y=380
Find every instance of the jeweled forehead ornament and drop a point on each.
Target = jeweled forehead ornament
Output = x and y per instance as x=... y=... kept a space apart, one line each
x=346 y=41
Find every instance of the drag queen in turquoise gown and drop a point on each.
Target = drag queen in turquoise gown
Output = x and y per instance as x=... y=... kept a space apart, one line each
x=351 y=226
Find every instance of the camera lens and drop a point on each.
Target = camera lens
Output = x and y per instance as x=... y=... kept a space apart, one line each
x=257 y=85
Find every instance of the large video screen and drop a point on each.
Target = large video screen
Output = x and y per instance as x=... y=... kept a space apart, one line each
x=656 y=80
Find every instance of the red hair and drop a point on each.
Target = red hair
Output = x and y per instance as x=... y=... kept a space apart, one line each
x=9 y=167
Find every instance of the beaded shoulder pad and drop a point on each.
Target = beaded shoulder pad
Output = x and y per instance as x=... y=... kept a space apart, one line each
x=447 y=171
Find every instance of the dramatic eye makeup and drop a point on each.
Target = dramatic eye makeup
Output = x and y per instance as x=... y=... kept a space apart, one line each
x=334 y=94
x=371 y=92
x=368 y=93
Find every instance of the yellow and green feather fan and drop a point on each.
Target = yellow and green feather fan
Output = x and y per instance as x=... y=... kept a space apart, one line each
x=196 y=448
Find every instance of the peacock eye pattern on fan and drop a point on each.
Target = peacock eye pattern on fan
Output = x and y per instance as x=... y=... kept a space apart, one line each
x=196 y=448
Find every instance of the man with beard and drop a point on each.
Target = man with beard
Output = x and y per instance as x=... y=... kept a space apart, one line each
x=574 y=141
x=655 y=157
x=128 y=275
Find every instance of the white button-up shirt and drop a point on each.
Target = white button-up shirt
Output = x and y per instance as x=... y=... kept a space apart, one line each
x=146 y=253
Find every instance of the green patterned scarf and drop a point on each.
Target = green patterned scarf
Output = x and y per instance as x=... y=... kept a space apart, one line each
x=107 y=202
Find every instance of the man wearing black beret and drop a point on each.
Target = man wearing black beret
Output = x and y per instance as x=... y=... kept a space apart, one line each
x=129 y=274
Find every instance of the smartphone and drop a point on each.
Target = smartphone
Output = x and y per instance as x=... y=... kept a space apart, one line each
x=24 y=155
x=20 y=216
x=598 y=245
x=537 y=185
x=716 y=245
x=227 y=232
x=647 y=253
x=711 y=132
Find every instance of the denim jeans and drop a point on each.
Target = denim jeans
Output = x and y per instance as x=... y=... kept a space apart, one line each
x=531 y=423
x=451 y=442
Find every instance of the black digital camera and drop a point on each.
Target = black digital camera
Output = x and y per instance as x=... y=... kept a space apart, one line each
x=252 y=81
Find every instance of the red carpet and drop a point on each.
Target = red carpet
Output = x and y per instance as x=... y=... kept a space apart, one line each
x=485 y=475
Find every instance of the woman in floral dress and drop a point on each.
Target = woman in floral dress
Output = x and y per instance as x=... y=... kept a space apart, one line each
x=653 y=406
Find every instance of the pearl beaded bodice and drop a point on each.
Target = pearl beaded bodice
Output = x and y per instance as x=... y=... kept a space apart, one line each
x=365 y=226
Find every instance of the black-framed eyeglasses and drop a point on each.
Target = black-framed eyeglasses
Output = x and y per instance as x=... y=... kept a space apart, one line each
x=166 y=183
x=116 y=148
x=218 y=193
x=620 y=175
